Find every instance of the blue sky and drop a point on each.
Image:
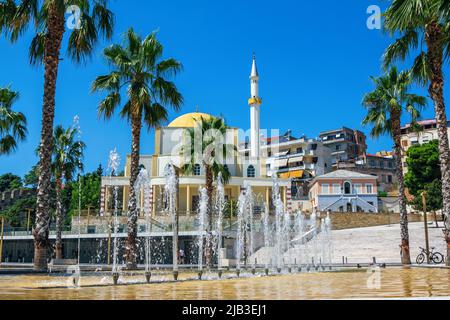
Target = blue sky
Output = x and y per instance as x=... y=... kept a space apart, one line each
x=314 y=58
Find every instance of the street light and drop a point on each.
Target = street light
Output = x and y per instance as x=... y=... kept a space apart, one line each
x=1 y=240
x=425 y=219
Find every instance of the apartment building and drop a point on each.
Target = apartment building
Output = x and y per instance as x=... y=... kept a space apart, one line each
x=424 y=132
x=347 y=145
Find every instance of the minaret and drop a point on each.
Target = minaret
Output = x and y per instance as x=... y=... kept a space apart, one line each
x=255 y=109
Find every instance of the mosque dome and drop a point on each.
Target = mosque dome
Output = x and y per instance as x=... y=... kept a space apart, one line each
x=188 y=120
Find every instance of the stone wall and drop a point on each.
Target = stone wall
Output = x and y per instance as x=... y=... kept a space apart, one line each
x=8 y=198
x=342 y=221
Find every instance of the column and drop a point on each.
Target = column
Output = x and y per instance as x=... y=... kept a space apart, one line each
x=188 y=200
x=268 y=197
x=102 y=201
x=283 y=191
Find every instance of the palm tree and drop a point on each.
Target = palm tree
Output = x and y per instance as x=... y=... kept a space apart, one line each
x=385 y=106
x=67 y=156
x=210 y=152
x=47 y=17
x=424 y=26
x=12 y=124
x=137 y=65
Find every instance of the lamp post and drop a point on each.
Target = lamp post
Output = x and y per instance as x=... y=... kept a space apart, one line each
x=89 y=213
x=1 y=240
x=28 y=220
x=425 y=219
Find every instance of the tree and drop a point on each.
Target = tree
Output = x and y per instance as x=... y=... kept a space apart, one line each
x=90 y=192
x=12 y=124
x=424 y=26
x=67 y=160
x=31 y=178
x=137 y=65
x=16 y=214
x=205 y=145
x=47 y=17
x=385 y=106
x=9 y=182
x=424 y=174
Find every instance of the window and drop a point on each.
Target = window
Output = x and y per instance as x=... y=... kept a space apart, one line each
x=325 y=188
x=358 y=188
x=251 y=172
x=338 y=147
x=389 y=179
x=347 y=188
x=197 y=170
x=369 y=189
x=299 y=150
x=91 y=229
x=336 y=189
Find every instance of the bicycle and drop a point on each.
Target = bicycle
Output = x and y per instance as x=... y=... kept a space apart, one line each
x=435 y=257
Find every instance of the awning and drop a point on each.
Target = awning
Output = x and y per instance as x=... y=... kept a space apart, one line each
x=279 y=163
x=292 y=174
x=282 y=153
x=296 y=159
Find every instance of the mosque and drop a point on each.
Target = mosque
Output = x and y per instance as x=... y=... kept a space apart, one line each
x=247 y=169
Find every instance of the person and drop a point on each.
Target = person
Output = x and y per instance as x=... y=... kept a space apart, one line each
x=181 y=256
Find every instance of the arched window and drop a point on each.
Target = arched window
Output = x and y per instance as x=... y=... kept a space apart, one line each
x=251 y=172
x=197 y=170
x=347 y=188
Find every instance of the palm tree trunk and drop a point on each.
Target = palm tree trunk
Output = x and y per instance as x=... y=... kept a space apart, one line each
x=209 y=191
x=436 y=91
x=131 y=244
x=396 y=131
x=59 y=219
x=51 y=62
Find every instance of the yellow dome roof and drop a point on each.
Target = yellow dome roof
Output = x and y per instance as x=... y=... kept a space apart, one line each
x=188 y=120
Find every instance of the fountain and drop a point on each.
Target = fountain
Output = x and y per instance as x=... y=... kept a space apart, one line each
x=171 y=192
x=300 y=231
x=76 y=126
x=240 y=237
x=113 y=166
x=202 y=212
x=313 y=228
x=143 y=184
x=279 y=209
x=220 y=207
x=266 y=231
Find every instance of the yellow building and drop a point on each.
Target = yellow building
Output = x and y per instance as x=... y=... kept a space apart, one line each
x=168 y=143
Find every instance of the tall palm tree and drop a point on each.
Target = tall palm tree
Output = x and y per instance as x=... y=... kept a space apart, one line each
x=12 y=124
x=385 y=106
x=211 y=152
x=67 y=160
x=424 y=26
x=47 y=18
x=137 y=65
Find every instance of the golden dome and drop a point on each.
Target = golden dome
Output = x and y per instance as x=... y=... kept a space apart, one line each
x=188 y=120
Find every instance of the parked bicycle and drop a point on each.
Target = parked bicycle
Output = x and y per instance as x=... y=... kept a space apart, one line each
x=435 y=257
